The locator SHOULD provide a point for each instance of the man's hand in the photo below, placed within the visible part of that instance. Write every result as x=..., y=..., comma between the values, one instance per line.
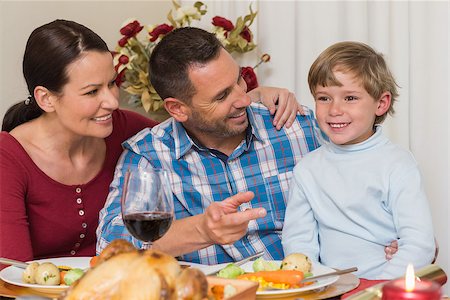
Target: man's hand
x=280, y=102
x=391, y=249
x=222, y=222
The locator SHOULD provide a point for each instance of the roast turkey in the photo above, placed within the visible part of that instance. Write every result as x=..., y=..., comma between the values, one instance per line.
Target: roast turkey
x=122, y=272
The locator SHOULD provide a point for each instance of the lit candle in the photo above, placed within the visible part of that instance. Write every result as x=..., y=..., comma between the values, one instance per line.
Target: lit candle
x=411, y=288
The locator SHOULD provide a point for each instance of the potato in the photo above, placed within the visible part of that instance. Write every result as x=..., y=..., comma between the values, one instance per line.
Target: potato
x=47, y=274
x=296, y=261
x=191, y=284
x=28, y=275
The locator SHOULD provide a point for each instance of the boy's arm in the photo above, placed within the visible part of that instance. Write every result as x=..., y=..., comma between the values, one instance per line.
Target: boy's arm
x=412, y=219
x=300, y=231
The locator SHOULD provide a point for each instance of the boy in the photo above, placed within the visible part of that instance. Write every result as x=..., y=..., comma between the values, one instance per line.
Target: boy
x=358, y=192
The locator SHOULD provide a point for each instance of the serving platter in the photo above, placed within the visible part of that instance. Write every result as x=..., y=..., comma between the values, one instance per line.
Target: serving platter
x=245, y=290
x=11, y=284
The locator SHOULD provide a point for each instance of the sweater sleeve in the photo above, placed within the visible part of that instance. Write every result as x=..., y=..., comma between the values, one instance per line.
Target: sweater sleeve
x=300, y=231
x=15, y=240
x=413, y=221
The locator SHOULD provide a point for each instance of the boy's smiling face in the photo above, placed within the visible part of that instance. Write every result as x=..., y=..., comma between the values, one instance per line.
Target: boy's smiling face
x=347, y=113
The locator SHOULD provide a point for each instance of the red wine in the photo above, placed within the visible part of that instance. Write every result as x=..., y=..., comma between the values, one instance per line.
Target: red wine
x=148, y=226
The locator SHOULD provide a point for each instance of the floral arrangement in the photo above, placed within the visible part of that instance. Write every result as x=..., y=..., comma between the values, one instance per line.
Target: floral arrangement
x=132, y=54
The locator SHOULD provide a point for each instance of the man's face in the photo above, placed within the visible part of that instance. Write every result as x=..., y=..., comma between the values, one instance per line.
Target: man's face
x=218, y=108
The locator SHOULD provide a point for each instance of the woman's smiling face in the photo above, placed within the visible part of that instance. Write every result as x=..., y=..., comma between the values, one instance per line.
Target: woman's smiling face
x=87, y=101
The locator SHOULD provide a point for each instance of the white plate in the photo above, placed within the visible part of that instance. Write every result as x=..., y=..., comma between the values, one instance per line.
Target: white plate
x=248, y=267
x=315, y=270
x=13, y=275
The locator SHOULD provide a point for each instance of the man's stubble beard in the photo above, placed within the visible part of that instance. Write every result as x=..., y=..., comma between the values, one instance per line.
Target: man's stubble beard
x=219, y=128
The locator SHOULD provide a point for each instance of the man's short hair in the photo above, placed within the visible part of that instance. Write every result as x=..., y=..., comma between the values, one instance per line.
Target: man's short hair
x=172, y=57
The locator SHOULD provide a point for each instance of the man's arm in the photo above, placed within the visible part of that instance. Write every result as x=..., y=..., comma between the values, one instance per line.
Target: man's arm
x=110, y=225
x=221, y=223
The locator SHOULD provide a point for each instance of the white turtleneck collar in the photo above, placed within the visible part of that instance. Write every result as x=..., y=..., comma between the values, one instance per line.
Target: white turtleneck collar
x=375, y=140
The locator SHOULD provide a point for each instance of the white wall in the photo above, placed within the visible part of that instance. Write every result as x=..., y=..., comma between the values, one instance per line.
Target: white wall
x=19, y=18
x=414, y=38
x=427, y=137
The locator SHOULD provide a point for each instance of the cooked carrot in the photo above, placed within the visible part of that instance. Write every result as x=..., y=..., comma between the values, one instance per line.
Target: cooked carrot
x=61, y=275
x=291, y=277
x=217, y=291
x=93, y=261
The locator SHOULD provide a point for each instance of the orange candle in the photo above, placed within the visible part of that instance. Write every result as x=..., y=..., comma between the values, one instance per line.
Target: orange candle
x=411, y=288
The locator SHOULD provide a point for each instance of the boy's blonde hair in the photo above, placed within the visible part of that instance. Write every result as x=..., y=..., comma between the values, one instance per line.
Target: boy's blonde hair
x=359, y=59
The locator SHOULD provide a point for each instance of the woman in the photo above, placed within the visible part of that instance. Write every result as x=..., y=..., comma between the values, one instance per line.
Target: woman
x=59, y=148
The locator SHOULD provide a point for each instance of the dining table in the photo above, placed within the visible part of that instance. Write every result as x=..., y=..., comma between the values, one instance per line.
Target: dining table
x=344, y=287
x=344, y=284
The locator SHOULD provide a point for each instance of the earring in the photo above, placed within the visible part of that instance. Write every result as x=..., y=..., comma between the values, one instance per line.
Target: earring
x=28, y=100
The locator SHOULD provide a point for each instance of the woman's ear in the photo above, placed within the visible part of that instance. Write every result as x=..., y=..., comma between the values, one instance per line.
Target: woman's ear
x=384, y=102
x=44, y=98
x=177, y=109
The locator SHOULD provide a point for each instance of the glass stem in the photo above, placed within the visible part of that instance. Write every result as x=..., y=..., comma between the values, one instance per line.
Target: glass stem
x=146, y=245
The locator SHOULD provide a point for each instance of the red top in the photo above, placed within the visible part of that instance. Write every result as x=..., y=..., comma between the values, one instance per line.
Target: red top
x=42, y=218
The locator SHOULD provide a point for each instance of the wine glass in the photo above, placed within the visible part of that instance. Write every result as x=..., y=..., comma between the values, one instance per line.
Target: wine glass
x=147, y=204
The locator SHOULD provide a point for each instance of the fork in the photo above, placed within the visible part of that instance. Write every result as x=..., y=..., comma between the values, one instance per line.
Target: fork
x=238, y=263
x=12, y=262
x=247, y=259
x=314, y=278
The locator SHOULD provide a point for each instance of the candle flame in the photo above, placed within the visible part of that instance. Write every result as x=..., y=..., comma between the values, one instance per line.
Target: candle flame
x=410, y=278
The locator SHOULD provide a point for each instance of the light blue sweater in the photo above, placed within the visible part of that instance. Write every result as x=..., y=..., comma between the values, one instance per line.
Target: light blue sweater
x=347, y=202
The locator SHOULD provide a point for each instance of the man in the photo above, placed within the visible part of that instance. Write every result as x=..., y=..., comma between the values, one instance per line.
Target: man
x=229, y=166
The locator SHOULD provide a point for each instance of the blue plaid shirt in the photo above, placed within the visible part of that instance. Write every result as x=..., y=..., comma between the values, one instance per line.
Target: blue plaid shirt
x=262, y=163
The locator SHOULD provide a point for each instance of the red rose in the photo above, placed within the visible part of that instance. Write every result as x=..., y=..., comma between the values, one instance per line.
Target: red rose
x=222, y=22
x=120, y=78
x=131, y=29
x=123, y=41
x=123, y=59
x=245, y=33
x=249, y=77
x=160, y=30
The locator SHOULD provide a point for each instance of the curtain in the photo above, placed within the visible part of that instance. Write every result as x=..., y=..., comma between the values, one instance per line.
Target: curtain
x=414, y=38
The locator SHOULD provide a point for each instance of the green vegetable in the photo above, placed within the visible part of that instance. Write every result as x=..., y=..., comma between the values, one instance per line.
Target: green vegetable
x=73, y=275
x=231, y=271
x=261, y=264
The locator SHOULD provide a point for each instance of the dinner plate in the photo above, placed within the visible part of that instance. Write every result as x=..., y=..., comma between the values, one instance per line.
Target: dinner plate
x=13, y=275
x=316, y=269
